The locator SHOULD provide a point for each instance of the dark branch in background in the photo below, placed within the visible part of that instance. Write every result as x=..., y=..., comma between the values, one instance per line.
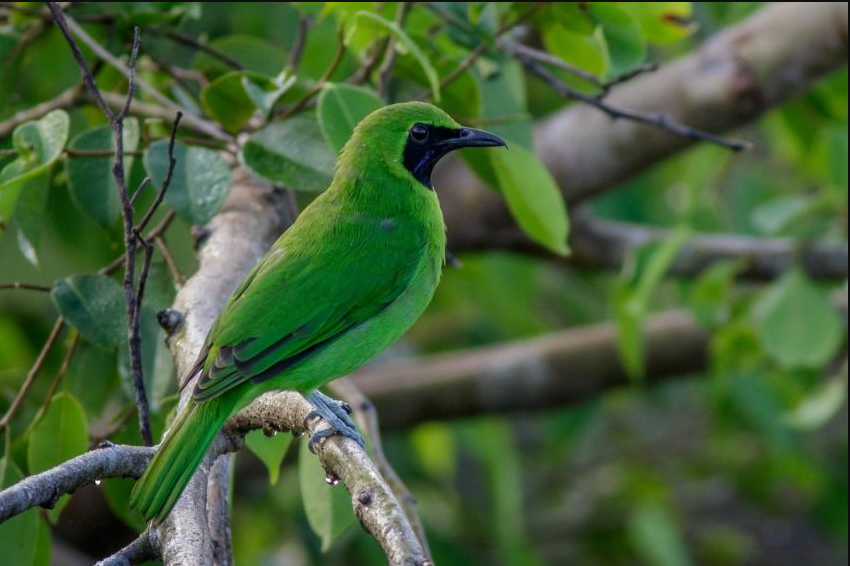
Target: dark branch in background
x=556, y=369
x=133, y=295
x=297, y=49
x=32, y=374
x=190, y=41
x=607, y=244
x=139, y=551
x=604, y=243
x=386, y=69
x=658, y=120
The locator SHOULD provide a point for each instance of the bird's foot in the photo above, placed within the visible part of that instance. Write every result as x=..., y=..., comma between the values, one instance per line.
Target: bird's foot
x=336, y=414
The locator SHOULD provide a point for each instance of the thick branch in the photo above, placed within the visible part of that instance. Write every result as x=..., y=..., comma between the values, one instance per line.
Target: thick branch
x=733, y=79
x=553, y=370
x=44, y=489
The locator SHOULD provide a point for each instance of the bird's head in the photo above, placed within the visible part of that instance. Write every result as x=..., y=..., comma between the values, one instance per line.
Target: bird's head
x=412, y=137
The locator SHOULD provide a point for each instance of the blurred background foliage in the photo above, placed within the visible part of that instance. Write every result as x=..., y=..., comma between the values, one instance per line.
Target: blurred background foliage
x=743, y=464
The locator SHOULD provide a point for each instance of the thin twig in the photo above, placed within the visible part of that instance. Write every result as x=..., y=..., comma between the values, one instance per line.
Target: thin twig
x=385, y=72
x=27, y=286
x=116, y=122
x=165, y=184
x=661, y=121
x=516, y=48
x=299, y=42
x=33, y=373
x=169, y=261
x=63, y=369
x=190, y=41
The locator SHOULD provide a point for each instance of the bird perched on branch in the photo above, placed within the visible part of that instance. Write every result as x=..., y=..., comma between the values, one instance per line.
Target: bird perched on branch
x=350, y=276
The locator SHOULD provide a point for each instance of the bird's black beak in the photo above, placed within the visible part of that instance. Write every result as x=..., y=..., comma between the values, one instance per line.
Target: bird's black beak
x=470, y=137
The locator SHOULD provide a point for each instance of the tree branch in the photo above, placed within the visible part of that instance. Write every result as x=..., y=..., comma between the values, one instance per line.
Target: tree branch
x=561, y=368
x=44, y=489
x=606, y=244
x=734, y=78
x=374, y=502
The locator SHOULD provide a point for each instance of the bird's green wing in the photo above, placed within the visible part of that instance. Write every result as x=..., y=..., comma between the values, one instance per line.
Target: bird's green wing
x=297, y=301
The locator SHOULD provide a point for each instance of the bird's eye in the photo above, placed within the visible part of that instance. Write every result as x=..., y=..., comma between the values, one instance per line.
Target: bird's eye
x=419, y=133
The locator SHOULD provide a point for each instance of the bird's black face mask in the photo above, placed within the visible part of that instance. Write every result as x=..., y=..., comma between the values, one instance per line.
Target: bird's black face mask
x=426, y=145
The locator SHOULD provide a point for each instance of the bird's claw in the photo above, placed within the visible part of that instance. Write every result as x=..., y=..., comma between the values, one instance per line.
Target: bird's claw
x=336, y=416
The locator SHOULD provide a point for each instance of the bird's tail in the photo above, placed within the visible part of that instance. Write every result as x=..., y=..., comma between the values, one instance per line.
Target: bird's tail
x=177, y=458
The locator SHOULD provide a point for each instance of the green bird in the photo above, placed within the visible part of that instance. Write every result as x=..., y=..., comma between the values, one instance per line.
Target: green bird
x=345, y=281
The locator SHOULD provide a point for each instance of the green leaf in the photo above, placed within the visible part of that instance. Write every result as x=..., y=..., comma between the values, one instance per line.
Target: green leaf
x=533, y=197
x=265, y=92
x=663, y=23
x=586, y=51
x=270, y=450
x=61, y=434
x=225, y=100
x=293, y=153
x=798, y=325
x=656, y=537
x=364, y=20
x=91, y=180
x=29, y=215
x=328, y=507
x=623, y=36
x=94, y=305
x=340, y=108
x=711, y=293
x=786, y=213
x=573, y=16
x=18, y=535
x=39, y=144
x=819, y=406
x=233, y=97
x=200, y=182
x=642, y=273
